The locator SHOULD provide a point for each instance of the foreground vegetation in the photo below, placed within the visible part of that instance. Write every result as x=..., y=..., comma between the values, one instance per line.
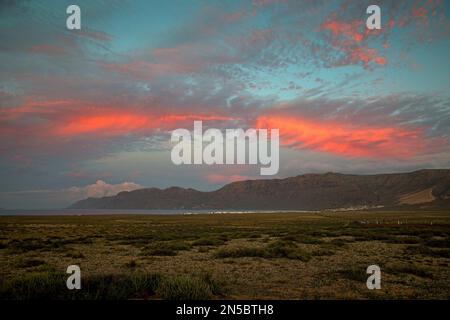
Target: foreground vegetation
x=234, y=256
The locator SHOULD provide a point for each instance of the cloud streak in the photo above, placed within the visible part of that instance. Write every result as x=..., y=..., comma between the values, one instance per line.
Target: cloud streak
x=345, y=139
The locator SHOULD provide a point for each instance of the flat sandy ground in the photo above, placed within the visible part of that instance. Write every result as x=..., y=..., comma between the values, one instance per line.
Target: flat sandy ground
x=242, y=256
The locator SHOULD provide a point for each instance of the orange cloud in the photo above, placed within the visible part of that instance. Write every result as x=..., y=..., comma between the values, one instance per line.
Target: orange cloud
x=348, y=29
x=345, y=139
x=366, y=55
x=109, y=124
x=348, y=38
x=122, y=123
x=31, y=107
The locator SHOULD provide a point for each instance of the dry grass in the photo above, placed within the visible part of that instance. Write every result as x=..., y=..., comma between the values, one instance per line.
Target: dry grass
x=247, y=256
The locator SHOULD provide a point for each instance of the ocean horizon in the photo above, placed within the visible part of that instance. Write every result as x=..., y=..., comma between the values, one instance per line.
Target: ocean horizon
x=92, y=212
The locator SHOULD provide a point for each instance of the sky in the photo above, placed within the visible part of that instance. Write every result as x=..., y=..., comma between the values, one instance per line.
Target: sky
x=89, y=112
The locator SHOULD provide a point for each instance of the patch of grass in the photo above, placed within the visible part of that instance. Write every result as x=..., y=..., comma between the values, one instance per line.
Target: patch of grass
x=184, y=288
x=405, y=240
x=75, y=255
x=203, y=249
x=426, y=235
x=158, y=252
x=45, y=268
x=323, y=252
x=286, y=249
x=239, y=252
x=52, y=286
x=49, y=244
x=166, y=248
x=135, y=240
x=302, y=239
x=356, y=273
x=338, y=243
x=119, y=287
x=208, y=242
x=418, y=250
x=409, y=269
x=426, y=251
x=131, y=264
x=30, y=263
x=276, y=249
x=33, y=286
x=438, y=243
x=216, y=285
x=20, y=246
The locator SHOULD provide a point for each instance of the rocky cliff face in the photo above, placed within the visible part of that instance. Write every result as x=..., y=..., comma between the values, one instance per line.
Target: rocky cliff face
x=304, y=192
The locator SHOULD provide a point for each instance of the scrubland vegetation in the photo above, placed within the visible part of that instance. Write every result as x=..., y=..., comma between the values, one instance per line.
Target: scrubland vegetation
x=228, y=256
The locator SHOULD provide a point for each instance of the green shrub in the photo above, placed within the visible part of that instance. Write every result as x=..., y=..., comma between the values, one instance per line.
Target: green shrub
x=409, y=269
x=438, y=243
x=277, y=249
x=52, y=286
x=131, y=264
x=285, y=249
x=158, y=252
x=30, y=263
x=184, y=288
x=323, y=252
x=216, y=285
x=166, y=248
x=302, y=239
x=239, y=252
x=208, y=242
x=426, y=251
x=75, y=255
x=356, y=273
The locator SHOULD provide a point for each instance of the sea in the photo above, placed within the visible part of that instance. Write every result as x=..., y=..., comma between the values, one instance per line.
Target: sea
x=91, y=212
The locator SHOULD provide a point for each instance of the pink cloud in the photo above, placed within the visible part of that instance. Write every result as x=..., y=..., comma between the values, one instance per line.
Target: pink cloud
x=349, y=38
x=116, y=123
x=366, y=56
x=47, y=126
x=102, y=189
x=351, y=30
x=346, y=139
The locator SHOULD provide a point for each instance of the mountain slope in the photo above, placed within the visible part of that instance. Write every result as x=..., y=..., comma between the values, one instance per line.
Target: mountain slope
x=304, y=192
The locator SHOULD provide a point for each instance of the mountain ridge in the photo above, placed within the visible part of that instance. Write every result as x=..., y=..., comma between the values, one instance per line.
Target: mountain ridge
x=303, y=192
